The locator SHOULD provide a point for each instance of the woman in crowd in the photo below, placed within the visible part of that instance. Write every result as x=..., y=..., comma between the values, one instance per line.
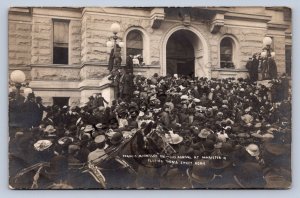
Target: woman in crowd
x=224, y=127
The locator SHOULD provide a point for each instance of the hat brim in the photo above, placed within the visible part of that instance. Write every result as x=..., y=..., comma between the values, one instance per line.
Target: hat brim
x=116, y=142
x=256, y=135
x=224, y=164
x=50, y=131
x=200, y=180
x=254, y=154
x=63, y=140
x=88, y=130
x=201, y=135
x=179, y=140
x=37, y=146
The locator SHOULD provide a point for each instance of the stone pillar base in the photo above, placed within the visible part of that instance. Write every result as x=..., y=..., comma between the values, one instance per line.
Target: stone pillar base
x=90, y=87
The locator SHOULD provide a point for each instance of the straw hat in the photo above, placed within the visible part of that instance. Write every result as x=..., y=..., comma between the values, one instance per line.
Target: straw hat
x=204, y=133
x=99, y=126
x=174, y=138
x=88, y=128
x=65, y=140
x=42, y=145
x=253, y=150
x=49, y=129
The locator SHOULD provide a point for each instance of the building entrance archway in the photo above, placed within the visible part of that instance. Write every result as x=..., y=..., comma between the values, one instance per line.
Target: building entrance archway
x=185, y=51
x=180, y=54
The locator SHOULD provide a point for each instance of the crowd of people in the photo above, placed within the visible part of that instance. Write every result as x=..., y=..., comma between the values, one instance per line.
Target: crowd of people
x=266, y=65
x=203, y=133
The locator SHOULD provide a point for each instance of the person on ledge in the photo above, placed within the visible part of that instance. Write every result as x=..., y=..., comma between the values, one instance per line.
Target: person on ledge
x=99, y=101
x=115, y=58
x=252, y=67
x=129, y=64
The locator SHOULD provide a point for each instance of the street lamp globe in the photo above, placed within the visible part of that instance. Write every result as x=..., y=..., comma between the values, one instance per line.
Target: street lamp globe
x=273, y=54
x=263, y=54
x=109, y=44
x=115, y=28
x=17, y=76
x=27, y=91
x=267, y=41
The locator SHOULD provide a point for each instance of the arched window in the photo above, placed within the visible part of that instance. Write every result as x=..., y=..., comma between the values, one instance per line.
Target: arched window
x=227, y=53
x=134, y=43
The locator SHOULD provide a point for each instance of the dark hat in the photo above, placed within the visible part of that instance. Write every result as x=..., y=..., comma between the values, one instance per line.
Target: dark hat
x=209, y=145
x=58, y=167
x=212, y=137
x=277, y=181
x=277, y=149
x=250, y=175
x=113, y=121
x=201, y=172
x=38, y=98
x=116, y=138
x=30, y=95
x=220, y=163
x=226, y=148
x=72, y=148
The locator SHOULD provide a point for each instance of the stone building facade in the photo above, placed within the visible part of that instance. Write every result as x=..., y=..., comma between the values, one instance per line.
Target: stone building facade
x=198, y=33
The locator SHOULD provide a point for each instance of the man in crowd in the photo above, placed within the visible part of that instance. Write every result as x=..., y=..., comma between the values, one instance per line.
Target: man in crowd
x=98, y=101
x=252, y=66
x=226, y=117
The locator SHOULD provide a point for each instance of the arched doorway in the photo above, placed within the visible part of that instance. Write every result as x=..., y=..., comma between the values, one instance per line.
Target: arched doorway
x=195, y=57
x=180, y=54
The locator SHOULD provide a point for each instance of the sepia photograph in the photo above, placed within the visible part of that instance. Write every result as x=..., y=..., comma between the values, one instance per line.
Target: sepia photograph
x=149, y=97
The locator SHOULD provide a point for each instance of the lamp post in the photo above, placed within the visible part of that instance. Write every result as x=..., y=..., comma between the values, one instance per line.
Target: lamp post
x=18, y=79
x=269, y=68
x=115, y=54
x=267, y=41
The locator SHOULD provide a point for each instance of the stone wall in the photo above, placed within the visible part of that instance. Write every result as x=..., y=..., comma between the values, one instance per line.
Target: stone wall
x=57, y=73
x=95, y=33
x=19, y=41
x=30, y=40
x=41, y=52
x=75, y=42
x=279, y=49
x=42, y=38
x=249, y=41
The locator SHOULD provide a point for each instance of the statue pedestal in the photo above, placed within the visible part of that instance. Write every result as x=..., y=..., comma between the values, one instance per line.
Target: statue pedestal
x=90, y=87
x=107, y=90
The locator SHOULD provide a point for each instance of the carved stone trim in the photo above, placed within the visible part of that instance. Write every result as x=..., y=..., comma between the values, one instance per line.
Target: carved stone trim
x=157, y=16
x=186, y=20
x=277, y=26
x=228, y=70
x=216, y=23
x=248, y=17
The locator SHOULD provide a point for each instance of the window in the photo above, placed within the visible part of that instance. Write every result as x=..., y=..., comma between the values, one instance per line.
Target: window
x=288, y=59
x=60, y=42
x=226, y=53
x=61, y=101
x=134, y=43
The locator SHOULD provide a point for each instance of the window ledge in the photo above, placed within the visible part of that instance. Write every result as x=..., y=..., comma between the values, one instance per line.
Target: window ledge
x=55, y=66
x=229, y=69
x=146, y=66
